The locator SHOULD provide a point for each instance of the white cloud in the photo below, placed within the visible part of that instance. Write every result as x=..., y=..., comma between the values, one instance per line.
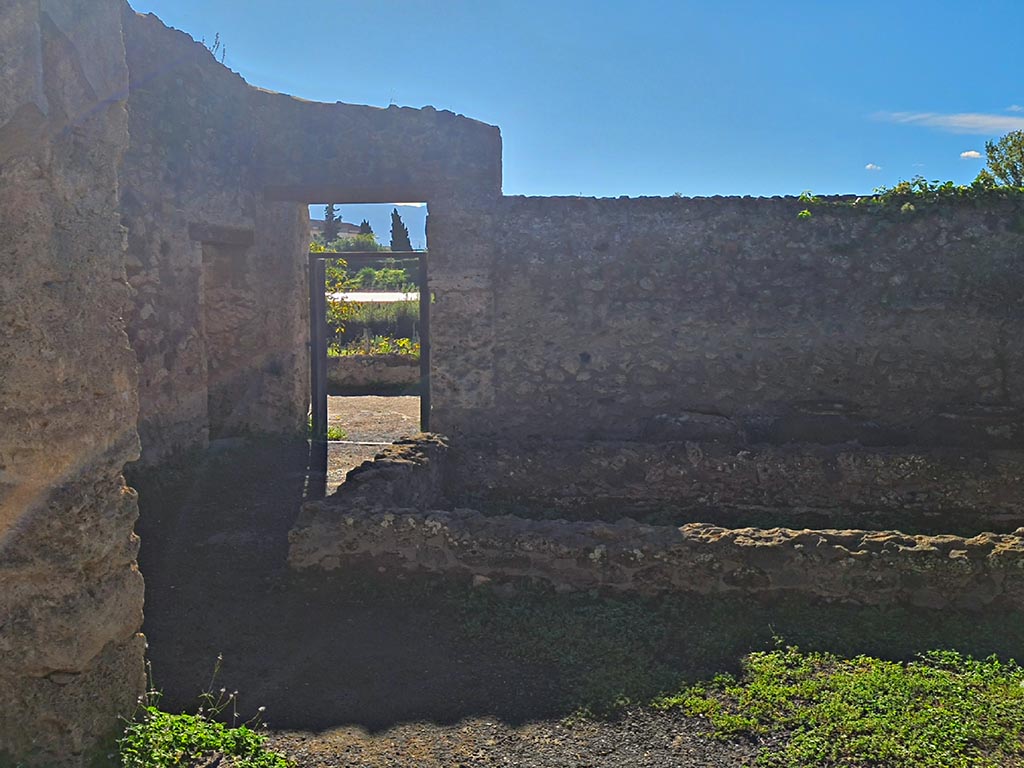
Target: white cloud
x=1015, y=108
x=410, y=205
x=975, y=123
x=872, y=167
x=970, y=154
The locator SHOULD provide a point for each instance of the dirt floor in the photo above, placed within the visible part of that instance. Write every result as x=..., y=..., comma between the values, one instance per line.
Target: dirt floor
x=640, y=738
x=366, y=419
x=377, y=667
x=352, y=674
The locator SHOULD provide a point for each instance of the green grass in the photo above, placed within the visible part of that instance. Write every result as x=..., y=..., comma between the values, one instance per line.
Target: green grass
x=606, y=651
x=942, y=709
x=870, y=693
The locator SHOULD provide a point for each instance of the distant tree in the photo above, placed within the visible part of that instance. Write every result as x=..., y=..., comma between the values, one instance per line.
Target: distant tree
x=357, y=243
x=1005, y=161
x=399, y=233
x=331, y=220
x=365, y=228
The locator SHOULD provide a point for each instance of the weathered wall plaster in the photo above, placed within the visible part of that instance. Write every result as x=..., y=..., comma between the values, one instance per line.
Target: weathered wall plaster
x=70, y=592
x=218, y=172
x=219, y=318
x=616, y=319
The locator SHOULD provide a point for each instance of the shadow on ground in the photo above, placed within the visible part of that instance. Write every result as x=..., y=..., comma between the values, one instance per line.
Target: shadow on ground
x=379, y=649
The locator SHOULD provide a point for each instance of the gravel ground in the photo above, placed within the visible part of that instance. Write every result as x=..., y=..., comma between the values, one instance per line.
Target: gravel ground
x=375, y=419
x=640, y=738
x=369, y=419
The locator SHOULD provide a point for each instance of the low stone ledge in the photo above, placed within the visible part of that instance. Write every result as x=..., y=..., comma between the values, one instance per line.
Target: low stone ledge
x=407, y=473
x=361, y=373
x=798, y=485
x=866, y=567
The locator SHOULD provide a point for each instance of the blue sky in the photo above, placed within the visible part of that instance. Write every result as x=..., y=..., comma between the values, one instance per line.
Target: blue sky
x=650, y=98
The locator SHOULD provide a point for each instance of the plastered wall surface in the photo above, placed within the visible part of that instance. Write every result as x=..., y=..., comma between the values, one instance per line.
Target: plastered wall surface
x=632, y=318
x=70, y=591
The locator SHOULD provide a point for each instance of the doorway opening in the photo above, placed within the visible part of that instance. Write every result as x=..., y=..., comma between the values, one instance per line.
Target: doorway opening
x=369, y=332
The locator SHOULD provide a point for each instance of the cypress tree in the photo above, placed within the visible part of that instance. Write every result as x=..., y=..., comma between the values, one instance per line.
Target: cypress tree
x=399, y=233
x=365, y=228
x=330, y=223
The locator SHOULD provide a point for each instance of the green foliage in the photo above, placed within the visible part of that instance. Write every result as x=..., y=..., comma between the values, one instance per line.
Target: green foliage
x=377, y=345
x=339, y=314
x=1005, y=161
x=383, y=279
x=943, y=709
x=333, y=432
x=361, y=242
x=1003, y=178
x=336, y=279
x=365, y=228
x=348, y=318
x=921, y=191
x=158, y=739
x=399, y=233
x=908, y=196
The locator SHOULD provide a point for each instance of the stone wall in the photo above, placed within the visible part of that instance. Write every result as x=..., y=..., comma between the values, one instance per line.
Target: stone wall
x=71, y=658
x=219, y=319
x=370, y=374
x=872, y=568
x=214, y=187
x=915, y=490
x=581, y=529
x=621, y=319
x=408, y=473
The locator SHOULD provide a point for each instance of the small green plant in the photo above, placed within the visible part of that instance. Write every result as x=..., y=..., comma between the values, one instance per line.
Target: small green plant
x=383, y=279
x=158, y=739
x=375, y=346
x=333, y=432
x=921, y=191
x=943, y=709
x=804, y=214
